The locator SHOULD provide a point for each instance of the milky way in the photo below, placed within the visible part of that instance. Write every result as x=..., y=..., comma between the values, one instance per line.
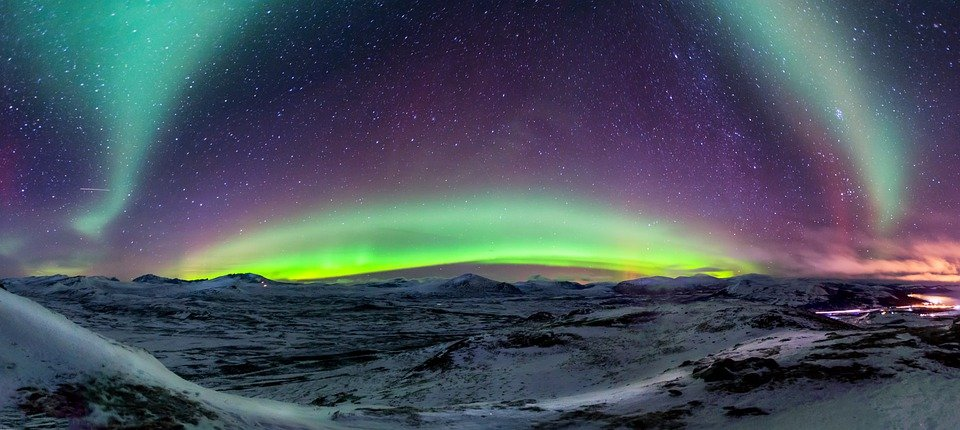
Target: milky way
x=589, y=140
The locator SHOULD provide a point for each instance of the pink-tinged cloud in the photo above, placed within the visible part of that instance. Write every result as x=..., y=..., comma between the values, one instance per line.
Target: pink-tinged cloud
x=920, y=260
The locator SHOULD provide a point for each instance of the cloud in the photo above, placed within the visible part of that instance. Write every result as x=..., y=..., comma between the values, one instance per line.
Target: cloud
x=914, y=260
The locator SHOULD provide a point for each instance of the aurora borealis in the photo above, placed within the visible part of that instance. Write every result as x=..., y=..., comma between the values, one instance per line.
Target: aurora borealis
x=818, y=67
x=305, y=140
x=127, y=63
x=527, y=230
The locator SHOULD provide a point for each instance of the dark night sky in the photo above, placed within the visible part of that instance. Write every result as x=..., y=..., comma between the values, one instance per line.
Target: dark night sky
x=585, y=140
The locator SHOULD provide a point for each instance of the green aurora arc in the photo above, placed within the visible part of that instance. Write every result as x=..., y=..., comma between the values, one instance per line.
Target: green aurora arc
x=478, y=230
x=814, y=63
x=130, y=60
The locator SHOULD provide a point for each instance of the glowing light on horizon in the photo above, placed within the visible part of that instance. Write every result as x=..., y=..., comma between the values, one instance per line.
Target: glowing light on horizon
x=935, y=300
x=930, y=303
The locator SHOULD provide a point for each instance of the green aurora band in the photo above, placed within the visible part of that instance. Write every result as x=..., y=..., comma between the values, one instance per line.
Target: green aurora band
x=129, y=61
x=479, y=230
x=813, y=62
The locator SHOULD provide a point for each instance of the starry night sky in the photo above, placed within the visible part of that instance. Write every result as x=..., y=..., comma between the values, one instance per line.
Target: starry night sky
x=578, y=139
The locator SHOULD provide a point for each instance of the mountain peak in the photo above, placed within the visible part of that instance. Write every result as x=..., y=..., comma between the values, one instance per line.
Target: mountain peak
x=154, y=279
x=246, y=277
x=476, y=284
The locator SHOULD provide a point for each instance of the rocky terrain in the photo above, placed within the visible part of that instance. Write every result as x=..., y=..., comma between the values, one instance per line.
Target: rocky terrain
x=242, y=351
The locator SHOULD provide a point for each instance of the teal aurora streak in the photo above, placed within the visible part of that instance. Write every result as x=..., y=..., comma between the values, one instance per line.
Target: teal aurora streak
x=799, y=48
x=127, y=62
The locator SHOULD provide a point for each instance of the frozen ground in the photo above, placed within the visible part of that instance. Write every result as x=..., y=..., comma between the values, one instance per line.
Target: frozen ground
x=698, y=352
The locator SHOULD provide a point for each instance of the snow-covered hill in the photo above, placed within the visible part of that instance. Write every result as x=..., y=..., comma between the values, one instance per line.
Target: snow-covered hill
x=56, y=369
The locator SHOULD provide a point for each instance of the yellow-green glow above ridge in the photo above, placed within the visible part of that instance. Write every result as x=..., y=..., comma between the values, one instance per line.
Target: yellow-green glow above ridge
x=481, y=230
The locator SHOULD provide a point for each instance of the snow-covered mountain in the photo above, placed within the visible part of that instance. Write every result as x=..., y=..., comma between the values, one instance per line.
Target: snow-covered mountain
x=154, y=279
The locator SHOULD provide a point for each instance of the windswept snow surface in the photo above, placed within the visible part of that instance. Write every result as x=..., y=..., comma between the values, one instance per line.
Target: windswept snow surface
x=241, y=351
